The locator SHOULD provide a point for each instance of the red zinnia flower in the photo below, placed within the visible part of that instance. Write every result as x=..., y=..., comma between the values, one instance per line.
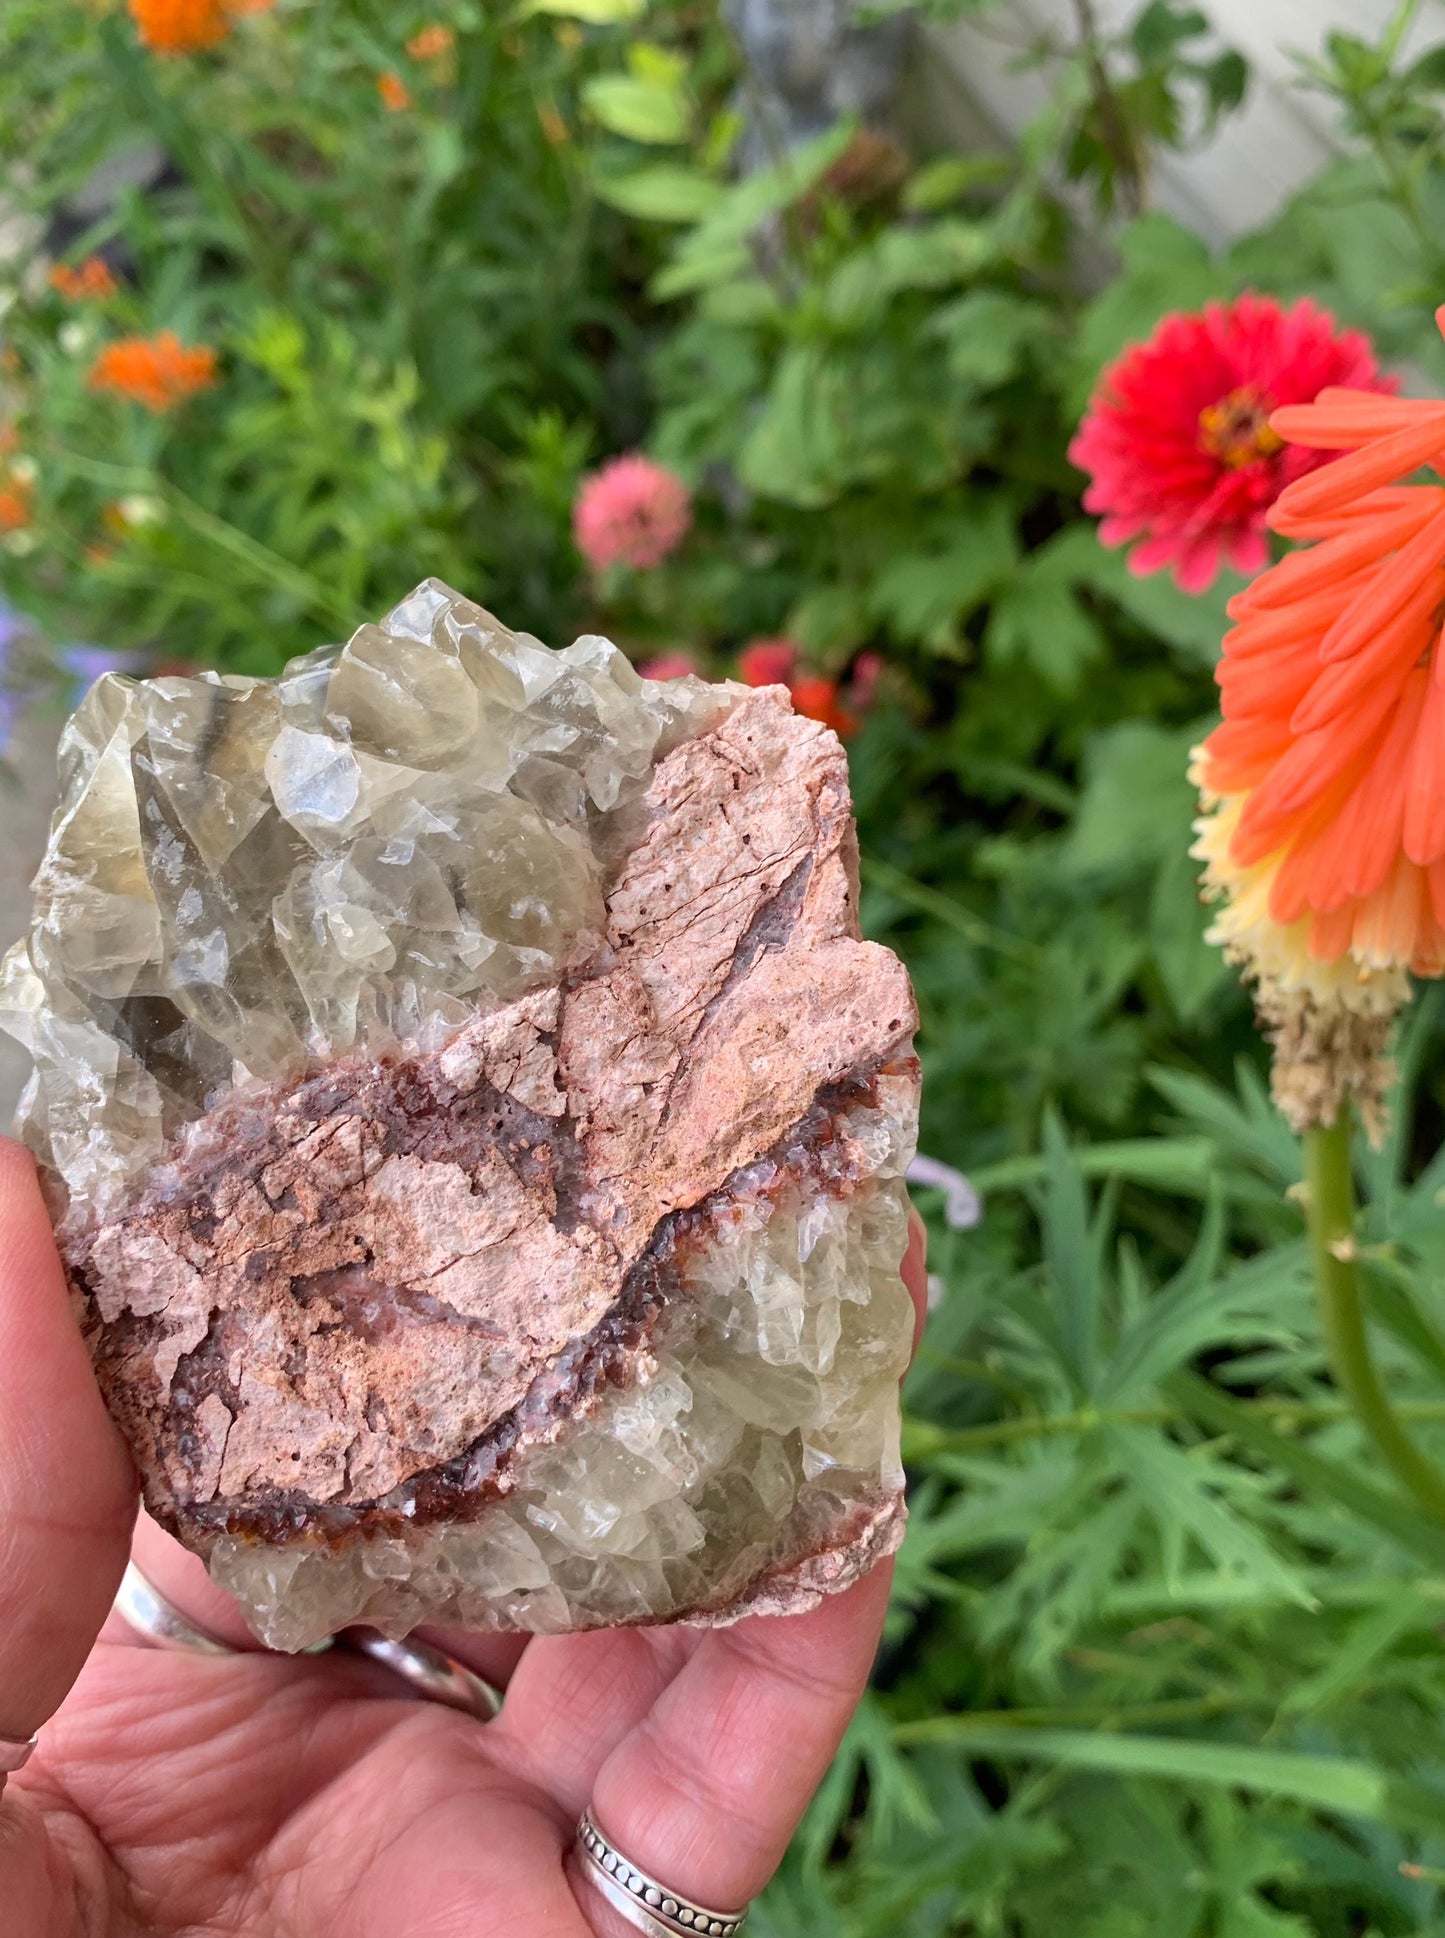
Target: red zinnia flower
x=1178, y=439
x=774, y=662
x=767, y=662
x=631, y=512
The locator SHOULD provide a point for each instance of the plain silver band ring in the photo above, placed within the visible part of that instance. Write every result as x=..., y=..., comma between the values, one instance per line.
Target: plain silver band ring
x=440, y=1678
x=648, y=1905
x=430, y=1672
x=143, y=1608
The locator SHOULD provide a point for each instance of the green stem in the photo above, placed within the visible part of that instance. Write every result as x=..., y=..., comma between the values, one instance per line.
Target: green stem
x=1337, y=1280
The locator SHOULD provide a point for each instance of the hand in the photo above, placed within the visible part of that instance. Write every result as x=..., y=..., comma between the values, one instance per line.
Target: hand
x=265, y=1796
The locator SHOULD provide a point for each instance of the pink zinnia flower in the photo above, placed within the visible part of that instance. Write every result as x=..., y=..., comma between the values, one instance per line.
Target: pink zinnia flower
x=631, y=512
x=1178, y=442
x=669, y=666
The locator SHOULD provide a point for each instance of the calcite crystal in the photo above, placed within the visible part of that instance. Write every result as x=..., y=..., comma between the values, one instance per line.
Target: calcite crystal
x=477, y=1131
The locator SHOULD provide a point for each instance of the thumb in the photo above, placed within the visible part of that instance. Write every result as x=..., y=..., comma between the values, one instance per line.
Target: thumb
x=67, y=1488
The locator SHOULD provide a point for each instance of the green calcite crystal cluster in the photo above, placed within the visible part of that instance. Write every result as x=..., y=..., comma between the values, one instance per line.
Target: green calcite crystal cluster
x=476, y=1131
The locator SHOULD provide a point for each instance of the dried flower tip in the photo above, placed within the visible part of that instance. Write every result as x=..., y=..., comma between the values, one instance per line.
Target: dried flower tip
x=1324, y=1056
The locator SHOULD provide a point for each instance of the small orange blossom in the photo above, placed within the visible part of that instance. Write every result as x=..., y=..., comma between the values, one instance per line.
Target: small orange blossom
x=172, y=27
x=91, y=282
x=432, y=43
x=158, y=372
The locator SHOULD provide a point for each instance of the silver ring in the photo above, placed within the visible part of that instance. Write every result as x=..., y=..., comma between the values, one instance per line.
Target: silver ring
x=439, y=1677
x=15, y=1753
x=142, y=1606
x=648, y=1905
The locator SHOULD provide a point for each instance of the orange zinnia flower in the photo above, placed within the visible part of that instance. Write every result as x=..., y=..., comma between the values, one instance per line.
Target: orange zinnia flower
x=1326, y=779
x=395, y=95
x=431, y=44
x=92, y=282
x=173, y=27
x=159, y=372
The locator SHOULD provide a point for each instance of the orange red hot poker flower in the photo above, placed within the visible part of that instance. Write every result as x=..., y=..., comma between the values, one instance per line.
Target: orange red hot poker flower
x=1325, y=780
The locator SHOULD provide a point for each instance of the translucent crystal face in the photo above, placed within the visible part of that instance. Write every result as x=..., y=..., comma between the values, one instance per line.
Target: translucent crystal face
x=248, y=876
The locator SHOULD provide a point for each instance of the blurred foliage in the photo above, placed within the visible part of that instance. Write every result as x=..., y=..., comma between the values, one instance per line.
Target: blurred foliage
x=1163, y=1660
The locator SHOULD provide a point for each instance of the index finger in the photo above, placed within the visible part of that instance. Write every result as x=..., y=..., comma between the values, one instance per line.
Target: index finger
x=67, y=1488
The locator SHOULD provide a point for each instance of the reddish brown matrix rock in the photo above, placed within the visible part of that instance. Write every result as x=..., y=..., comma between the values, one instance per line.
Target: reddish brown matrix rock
x=478, y=1131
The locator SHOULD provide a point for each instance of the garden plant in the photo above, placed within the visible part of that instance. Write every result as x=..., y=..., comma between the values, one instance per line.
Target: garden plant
x=1017, y=483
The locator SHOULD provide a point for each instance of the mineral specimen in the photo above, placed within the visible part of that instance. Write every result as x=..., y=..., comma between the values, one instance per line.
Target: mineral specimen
x=476, y=1131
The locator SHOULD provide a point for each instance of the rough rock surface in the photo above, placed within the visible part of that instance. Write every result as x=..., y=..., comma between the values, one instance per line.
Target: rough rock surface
x=531, y=1258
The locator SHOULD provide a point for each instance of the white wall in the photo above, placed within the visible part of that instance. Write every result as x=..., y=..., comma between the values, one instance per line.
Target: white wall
x=1261, y=155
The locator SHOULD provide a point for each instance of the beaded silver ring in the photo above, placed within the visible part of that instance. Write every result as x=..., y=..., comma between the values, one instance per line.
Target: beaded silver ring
x=648, y=1904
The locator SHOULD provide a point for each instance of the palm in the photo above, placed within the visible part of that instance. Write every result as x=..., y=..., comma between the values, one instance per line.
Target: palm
x=306, y=1796
x=259, y=1796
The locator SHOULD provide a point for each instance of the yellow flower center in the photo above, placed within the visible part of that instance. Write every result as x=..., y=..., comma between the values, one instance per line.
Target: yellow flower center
x=1236, y=429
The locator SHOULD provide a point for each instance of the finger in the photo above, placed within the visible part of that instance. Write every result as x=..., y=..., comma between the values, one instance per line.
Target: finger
x=707, y=1790
x=67, y=1488
x=574, y=1698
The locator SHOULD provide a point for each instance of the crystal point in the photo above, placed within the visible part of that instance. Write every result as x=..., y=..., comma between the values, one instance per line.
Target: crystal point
x=477, y=1131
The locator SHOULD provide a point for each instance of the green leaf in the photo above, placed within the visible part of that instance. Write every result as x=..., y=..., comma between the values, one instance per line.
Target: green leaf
x=597, y=13
x=1184, y=1165
x=1073, y=1252
x=927, y=596
x=717, y=248
x=1136, y=803
x=1185, y=1501
x=661, y=193
x=1162, y=28
x=1194, y=623
x=989, y=334
x=651, y=111
x=935, y=256
x=940, y=182
x=1322, y=1477
x=1038, y=621
x=1348, y=1785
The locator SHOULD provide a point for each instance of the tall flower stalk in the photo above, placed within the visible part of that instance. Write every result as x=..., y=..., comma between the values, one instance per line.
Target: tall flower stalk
x=1329, y=1185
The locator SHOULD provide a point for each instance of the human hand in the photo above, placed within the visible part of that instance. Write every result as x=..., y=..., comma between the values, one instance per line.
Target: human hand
x=254, y=1795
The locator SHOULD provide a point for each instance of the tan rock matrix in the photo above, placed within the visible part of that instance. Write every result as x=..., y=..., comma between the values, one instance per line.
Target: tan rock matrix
x=476, y=1131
